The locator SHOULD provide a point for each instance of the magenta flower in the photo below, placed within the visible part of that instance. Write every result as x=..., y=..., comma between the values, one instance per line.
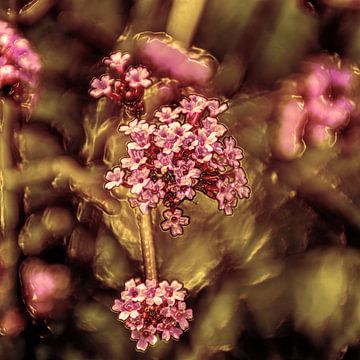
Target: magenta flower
x=159, y=311
x=115, y=178
x=164, y=162
x=138, y=77
x=167, y=114
x=174, y=221
x=182, y=315
x=145, y=337
x=211, y=125
x=138, y=179
x=167, y=140
x=171, y=292
x=169, y=330
x=226, y=196
x=215, y=108
x=232, y=153
x=195, y=104
x=134, y=126
x=133, y=291
x=135, y=160
x=185, y=172
x=117, y=61
x=126, y=309
x=101, y=87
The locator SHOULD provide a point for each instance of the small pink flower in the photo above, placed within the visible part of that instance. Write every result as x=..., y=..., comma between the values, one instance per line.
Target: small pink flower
x=151, y=293
x=171, y=292
x=179, y=130
x=202, y=154
x=174, y=221
x=133, y=291
x=138, y=77
x=164, y=162
x=168, y=330
x=216, y=108
x=226, y=196
x=185, y=172
x=167, y=140
x=211, y=125
x=127, y=309
x=135, y=160
x=101, y=86
x=145, y=337
x=167, y=114
x=232, y=153
x=135, y=125
x=117, y=61
x=138, y=179
x=115, y=178
x=182, y=192
x=190, y=141
x=195, y=104
x=182, y=315
x=206, y=139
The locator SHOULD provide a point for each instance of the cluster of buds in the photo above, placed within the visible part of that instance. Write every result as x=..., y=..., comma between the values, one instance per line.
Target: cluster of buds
x=181, y=151
x=19, y=67
x=124, y=85
x=322, y=105
x=153, y=309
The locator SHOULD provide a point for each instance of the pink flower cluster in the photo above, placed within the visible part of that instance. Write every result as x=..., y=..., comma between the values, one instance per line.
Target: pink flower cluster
x=19, y=66
x=182, y=151
x=126, y=87
x=153, y=309
x=322, y=106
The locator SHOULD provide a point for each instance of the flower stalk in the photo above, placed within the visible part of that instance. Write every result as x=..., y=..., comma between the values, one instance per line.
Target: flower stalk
x=147, y=245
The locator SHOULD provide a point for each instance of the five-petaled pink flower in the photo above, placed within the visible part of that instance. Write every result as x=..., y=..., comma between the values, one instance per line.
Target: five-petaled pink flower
x=115, y=178
x=117, y=61
x=174, y=221
x=167, y=114
x=102, y=86
x=138, y=77
x=194, y=104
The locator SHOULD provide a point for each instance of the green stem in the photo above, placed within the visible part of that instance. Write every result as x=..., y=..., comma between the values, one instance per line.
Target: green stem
x=147, y=244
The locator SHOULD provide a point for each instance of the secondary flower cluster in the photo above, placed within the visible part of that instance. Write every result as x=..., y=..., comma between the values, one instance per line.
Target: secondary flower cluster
x=19, y=67
x=182, y=151
x=126, y=87
x=322, y=105
x=153, y=309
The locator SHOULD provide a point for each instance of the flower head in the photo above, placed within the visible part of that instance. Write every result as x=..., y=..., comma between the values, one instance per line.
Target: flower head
x=159, y=311
x=138, y=77
x=117, y=61
x=179, y=153
x=101, y=87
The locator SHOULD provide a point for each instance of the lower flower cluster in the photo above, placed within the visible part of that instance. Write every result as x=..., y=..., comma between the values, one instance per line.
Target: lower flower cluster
x=152, y=310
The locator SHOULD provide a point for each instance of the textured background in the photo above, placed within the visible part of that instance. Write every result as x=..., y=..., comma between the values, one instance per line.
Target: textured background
x=278, y=280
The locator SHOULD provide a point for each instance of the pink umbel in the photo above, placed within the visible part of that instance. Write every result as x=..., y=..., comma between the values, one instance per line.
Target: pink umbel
x=19, y=67
x=153, y=310
x=180, y=152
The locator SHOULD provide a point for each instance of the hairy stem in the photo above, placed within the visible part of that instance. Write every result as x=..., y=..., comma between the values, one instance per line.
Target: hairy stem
x=147, y=244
